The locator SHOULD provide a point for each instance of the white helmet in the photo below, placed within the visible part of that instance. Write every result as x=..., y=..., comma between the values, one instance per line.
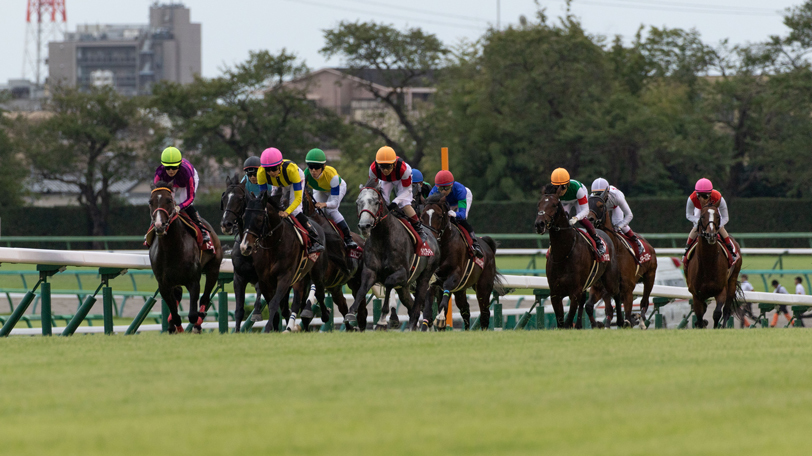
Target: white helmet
x=600, y=184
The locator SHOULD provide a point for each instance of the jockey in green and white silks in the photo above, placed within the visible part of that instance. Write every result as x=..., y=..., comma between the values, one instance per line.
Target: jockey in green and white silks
x=328, y=191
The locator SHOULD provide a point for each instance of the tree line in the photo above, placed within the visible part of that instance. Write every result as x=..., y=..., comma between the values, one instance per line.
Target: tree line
x=652, y=115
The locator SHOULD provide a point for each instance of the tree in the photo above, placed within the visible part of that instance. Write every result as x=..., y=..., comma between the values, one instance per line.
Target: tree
x=90, y=140
x=248, y=109
x=12, y=171
x=402, y=59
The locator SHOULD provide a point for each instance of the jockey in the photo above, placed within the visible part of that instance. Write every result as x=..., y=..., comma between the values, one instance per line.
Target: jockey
x=418, y=185
x=285, y=177
x=703, y=195
x=459, y=198
x=177, y=171
x=252, y=167
x=620, y=211
x=328, y=190
x=395, y=174
x=573, y=194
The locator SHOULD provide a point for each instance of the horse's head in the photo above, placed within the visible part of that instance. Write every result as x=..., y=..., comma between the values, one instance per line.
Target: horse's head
x=371, y=208
x=435, y=213
x=597, y=207
x=161, y=207
x=261, y=219
x=708, y=224
x=232, y=203
x=549, y=208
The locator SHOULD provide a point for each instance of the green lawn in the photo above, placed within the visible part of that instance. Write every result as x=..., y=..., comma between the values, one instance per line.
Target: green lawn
x=552, y=392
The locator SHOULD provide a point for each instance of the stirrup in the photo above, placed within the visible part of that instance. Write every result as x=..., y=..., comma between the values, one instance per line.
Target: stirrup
x=350, y=244
x=478, y=250
x=315, y=247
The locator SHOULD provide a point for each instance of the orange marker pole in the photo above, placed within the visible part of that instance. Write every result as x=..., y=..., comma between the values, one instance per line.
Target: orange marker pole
x=449, y=318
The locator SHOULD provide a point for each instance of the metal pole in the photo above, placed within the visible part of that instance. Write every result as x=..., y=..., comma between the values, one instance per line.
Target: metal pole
x=164, y=316
x=222, y=307
x=142, y=315
x=376, y=310
x=107, y=306
x=497, y=315
x=45, y=311
x=328, y=322
x=77, y=319
x=17, y=314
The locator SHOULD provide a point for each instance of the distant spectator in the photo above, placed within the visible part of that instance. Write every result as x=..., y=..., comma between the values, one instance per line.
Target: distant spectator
x=748, y=311
x=781, y=308
x=799, y=286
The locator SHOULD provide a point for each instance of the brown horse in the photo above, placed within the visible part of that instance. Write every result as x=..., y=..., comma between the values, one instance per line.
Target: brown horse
x=342, y=268
x=630, y=273
x=458, y=271
x=571, y=269
x=177, y=260
x=707, y=273
x=277, y=256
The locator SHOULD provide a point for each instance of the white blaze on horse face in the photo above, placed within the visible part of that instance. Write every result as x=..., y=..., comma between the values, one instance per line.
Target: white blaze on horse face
x=244, y=243
x=711, y=212
x=430, y=213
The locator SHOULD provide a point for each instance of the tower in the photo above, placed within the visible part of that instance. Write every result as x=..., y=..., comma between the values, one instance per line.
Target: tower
x=46, y=20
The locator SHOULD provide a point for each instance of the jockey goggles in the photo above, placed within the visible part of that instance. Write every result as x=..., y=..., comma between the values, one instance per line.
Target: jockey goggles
x=273, y=169
x=251, y=171
x=171, y=168
x=703, y=195
x=386, y=165
x=315, y=165
x=445, y=187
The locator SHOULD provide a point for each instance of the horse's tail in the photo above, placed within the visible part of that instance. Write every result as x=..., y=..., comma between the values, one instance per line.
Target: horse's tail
x=738, y=301
x=498, y=279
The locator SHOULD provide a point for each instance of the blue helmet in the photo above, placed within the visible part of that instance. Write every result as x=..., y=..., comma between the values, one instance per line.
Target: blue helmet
x=417, y=176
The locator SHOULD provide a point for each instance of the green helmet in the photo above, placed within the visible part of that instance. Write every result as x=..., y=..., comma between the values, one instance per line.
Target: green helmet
x=316, y=156
x=171, y=157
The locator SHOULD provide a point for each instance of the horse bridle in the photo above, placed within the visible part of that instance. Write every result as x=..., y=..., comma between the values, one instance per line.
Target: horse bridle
x=169, y=217
x=599, y=221
x=376, y=217
x=701, y=228
x=236, y=215
x=443, y=221
x=548, y=225
x=258, y=238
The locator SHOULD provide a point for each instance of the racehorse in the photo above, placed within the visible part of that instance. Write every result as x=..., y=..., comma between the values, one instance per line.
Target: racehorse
x=571, y=269
x=389, y=259
x=628, y=269
x=707, y=273
x=232, y=203
x=342, y=267
x=178, y=262
x=280, y=260
x=458, y=270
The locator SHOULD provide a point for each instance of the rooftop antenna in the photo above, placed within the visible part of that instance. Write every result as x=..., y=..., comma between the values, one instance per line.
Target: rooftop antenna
x=46, y=20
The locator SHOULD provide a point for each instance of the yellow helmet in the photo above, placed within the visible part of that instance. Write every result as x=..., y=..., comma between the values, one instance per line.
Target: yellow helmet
x=386, y=155
x=560, y=177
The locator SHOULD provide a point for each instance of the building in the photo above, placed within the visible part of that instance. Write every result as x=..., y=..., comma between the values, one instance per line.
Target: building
x=131, y=58
x=23, y=95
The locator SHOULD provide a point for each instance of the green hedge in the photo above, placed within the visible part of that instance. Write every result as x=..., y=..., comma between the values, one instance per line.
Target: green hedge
x=652, y=215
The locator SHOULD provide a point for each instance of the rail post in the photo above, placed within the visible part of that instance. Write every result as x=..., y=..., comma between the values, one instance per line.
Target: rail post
x=107, y=295
x=18, y=312
x=797, y=311
x=142, y=315
x=376, y=310
x=164, y=316
x=81, y=313
x=497, y=313
x=45, y=271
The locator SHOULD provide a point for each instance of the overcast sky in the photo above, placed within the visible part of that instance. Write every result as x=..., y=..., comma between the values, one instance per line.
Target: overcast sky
x=233, y=27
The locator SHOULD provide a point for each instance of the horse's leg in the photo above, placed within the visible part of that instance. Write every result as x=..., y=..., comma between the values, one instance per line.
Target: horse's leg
x=648, y=283
x=212, y=272
x=722, y=310
x=558, y=308
x=394, y=320
x=239, y=296
x=594, y=296
x=339, y=300
x=442, y=309
x=281, y=293
x=194, y=297
x=699, y=311
x=169, y=296
x=299, y=297
x=483, y=297
x=406, y=299
x=381, y=324
x=423, y=295
x=399, y=278
x=465, y=309
x=574, y=301
x=351, y=317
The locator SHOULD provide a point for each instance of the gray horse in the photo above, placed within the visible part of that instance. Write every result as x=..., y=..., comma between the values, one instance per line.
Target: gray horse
x=388, y=256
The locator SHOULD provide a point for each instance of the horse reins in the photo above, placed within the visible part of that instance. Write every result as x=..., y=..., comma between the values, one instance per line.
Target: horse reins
x=169, y=217
x=375, y=219
x=548, y=227
x=259, y=238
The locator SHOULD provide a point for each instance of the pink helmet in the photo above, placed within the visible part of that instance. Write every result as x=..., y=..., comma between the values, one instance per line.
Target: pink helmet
x=443, y=178
x=271, y=157
x=704, y=186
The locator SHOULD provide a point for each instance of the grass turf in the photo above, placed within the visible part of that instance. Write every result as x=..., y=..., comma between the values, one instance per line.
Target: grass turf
x=553, y=392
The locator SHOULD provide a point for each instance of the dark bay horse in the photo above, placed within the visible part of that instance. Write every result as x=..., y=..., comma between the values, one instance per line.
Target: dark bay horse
x=570, y=261
x=388, y=255
x=707, y=272
x=457, y=270
x=177, y=260
x=630, y=273
x=233, y=204
x=277, y=255
x=342, y=268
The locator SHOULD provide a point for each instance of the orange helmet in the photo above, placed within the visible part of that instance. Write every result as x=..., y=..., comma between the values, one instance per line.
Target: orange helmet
x=386, y=155
x=560, y=177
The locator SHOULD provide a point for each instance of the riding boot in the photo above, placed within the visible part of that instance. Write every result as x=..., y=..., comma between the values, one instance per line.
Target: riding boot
x=688, y=246
x=731, y=247
x=601, y=247
x=348, y=242
x=415, y=221
x=637, y=240
x=474, y=243
x=315, y=245
x=199, y=222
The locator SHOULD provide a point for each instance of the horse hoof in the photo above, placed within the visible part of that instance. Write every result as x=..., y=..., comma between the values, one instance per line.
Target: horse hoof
x=627, y=324
x=196, y=330
x=306, y=314
x=424, y=326
x=286, y=331
x=600, y=325
x=179, y=329
x=256, y=317
x=380, y=327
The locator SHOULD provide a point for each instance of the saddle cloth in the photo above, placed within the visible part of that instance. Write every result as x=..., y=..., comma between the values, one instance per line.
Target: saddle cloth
x=591, y=242
x=190, y=226
x=631, y=246
x=420, y=247
x=355, y=253
x=730, y=258
x=469, y=243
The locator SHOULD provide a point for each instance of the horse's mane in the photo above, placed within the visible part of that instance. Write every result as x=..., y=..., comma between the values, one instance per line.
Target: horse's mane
x=372, y=183
x=549, y=189
x=436, y=199
x=162, y=184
